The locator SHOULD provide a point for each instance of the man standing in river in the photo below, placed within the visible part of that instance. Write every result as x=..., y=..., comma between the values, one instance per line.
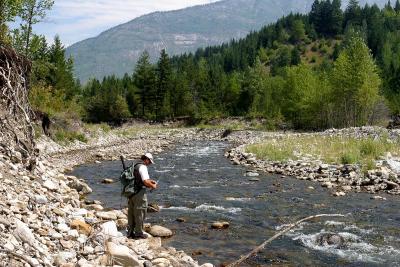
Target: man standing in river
x=137, y=202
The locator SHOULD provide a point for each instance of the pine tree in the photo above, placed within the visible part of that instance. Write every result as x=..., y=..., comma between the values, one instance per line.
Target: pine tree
x=145, y=80
x=336, y=18
x=298, y=31
x=163, y=92
x=352, y=15
x=315, y=14
x=388, y=6
x=61, y=72
x=397, y=6
x=296, y=59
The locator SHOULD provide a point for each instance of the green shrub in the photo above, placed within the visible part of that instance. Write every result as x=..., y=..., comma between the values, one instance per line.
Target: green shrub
x=314, y=48
x=349, y=157
x=64, y=136
x=371, y=148
x=324, y=49
x=369, y=164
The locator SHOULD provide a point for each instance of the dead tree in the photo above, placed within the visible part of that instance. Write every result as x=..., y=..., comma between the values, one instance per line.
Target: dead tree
x=278, y=234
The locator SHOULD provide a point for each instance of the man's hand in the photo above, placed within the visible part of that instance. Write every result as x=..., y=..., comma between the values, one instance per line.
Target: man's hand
x=150, y=184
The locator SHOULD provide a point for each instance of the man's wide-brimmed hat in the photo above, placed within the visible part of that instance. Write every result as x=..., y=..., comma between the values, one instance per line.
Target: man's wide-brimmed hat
x=150, y=157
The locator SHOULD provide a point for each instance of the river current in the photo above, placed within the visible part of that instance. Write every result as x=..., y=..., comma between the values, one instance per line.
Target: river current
x=197, y=183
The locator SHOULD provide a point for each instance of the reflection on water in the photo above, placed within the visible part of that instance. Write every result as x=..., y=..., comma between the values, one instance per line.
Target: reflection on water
x=198, y=184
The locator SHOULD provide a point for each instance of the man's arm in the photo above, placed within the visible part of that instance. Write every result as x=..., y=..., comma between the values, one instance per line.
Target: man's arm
x=150, y=183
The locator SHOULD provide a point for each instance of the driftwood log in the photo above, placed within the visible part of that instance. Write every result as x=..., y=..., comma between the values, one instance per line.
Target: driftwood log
x=280, y=233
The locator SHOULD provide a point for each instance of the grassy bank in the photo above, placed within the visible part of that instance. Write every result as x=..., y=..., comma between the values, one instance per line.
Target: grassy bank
x=333, y=150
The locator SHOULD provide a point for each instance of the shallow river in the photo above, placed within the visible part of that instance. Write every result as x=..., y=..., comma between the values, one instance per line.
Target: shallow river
x=198, y=183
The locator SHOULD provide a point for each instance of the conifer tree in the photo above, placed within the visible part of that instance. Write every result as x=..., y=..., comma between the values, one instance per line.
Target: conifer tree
x=298, y=31
x=397, y=6
x=352, y=15
x=388, y=6
x=336, y=18
x=145, y=80
x=315, y=14
x=163, y=92
x=61, y=72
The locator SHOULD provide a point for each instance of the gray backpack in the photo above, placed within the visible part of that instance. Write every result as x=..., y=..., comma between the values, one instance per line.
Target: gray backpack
x=131, y=180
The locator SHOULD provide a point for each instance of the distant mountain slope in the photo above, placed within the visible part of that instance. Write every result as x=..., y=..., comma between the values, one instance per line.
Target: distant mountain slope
x=116, y=50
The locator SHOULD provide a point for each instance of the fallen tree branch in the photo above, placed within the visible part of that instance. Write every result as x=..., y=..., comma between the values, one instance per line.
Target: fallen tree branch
x=19, y=256
x=287, y=229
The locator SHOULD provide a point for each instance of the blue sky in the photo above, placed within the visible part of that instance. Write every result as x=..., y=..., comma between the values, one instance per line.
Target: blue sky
x=76, y=20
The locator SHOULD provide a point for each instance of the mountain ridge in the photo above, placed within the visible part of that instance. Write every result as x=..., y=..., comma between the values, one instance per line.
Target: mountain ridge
x=177, y=31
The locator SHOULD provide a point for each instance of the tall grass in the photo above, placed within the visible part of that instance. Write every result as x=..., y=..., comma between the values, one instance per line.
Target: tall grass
x=334, y=150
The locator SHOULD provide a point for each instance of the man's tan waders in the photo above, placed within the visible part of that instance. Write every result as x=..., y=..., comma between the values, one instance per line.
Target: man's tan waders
x=137, y=210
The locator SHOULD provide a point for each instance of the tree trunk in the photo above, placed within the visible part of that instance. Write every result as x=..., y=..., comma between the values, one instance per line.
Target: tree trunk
x=29, y=28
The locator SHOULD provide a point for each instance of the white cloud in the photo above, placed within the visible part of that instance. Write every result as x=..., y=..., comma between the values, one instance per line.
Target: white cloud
x=75, y=20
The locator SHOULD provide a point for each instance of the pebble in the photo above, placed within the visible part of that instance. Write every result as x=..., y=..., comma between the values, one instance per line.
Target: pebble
x=106, y=215
x=50, y=185
x=39, y=199
x=62, y=227
x=339, y=194
x=252, y=174
x=220, y=225
x=182, y=220
x=378, y=198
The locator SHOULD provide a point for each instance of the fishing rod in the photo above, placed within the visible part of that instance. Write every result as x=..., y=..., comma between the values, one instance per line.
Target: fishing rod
x=123, y=162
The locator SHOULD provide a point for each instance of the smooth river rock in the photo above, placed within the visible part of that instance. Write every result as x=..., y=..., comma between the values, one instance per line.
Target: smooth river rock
x=122, y=255
x=107, y=181
x=220, y=225
x=160, y=231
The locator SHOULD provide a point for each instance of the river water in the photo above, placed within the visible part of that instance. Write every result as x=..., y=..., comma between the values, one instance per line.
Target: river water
x=197, y=183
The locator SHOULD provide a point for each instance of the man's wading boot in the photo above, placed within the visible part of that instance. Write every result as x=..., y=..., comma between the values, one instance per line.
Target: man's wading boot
x=140, y=236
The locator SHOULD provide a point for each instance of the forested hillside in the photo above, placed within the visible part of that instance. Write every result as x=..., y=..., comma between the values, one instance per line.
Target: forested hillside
x=326, y=69
x=117, y=50
x=176, y=31
x=329, y=68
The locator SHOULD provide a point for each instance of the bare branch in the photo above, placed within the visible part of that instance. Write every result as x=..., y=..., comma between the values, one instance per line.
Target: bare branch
x=287, y=229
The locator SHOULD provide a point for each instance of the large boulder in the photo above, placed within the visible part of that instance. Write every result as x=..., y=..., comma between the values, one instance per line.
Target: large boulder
x=160, y=231
x=330, y=239
x=109, y=230
x=122, y=255
x=24, y=233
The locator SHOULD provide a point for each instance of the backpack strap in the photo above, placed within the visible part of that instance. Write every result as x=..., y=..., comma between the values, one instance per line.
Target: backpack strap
x=138, y=178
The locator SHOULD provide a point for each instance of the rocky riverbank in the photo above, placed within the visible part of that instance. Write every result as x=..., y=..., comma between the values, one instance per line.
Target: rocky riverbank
x=45, y=220
x=339, y=178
